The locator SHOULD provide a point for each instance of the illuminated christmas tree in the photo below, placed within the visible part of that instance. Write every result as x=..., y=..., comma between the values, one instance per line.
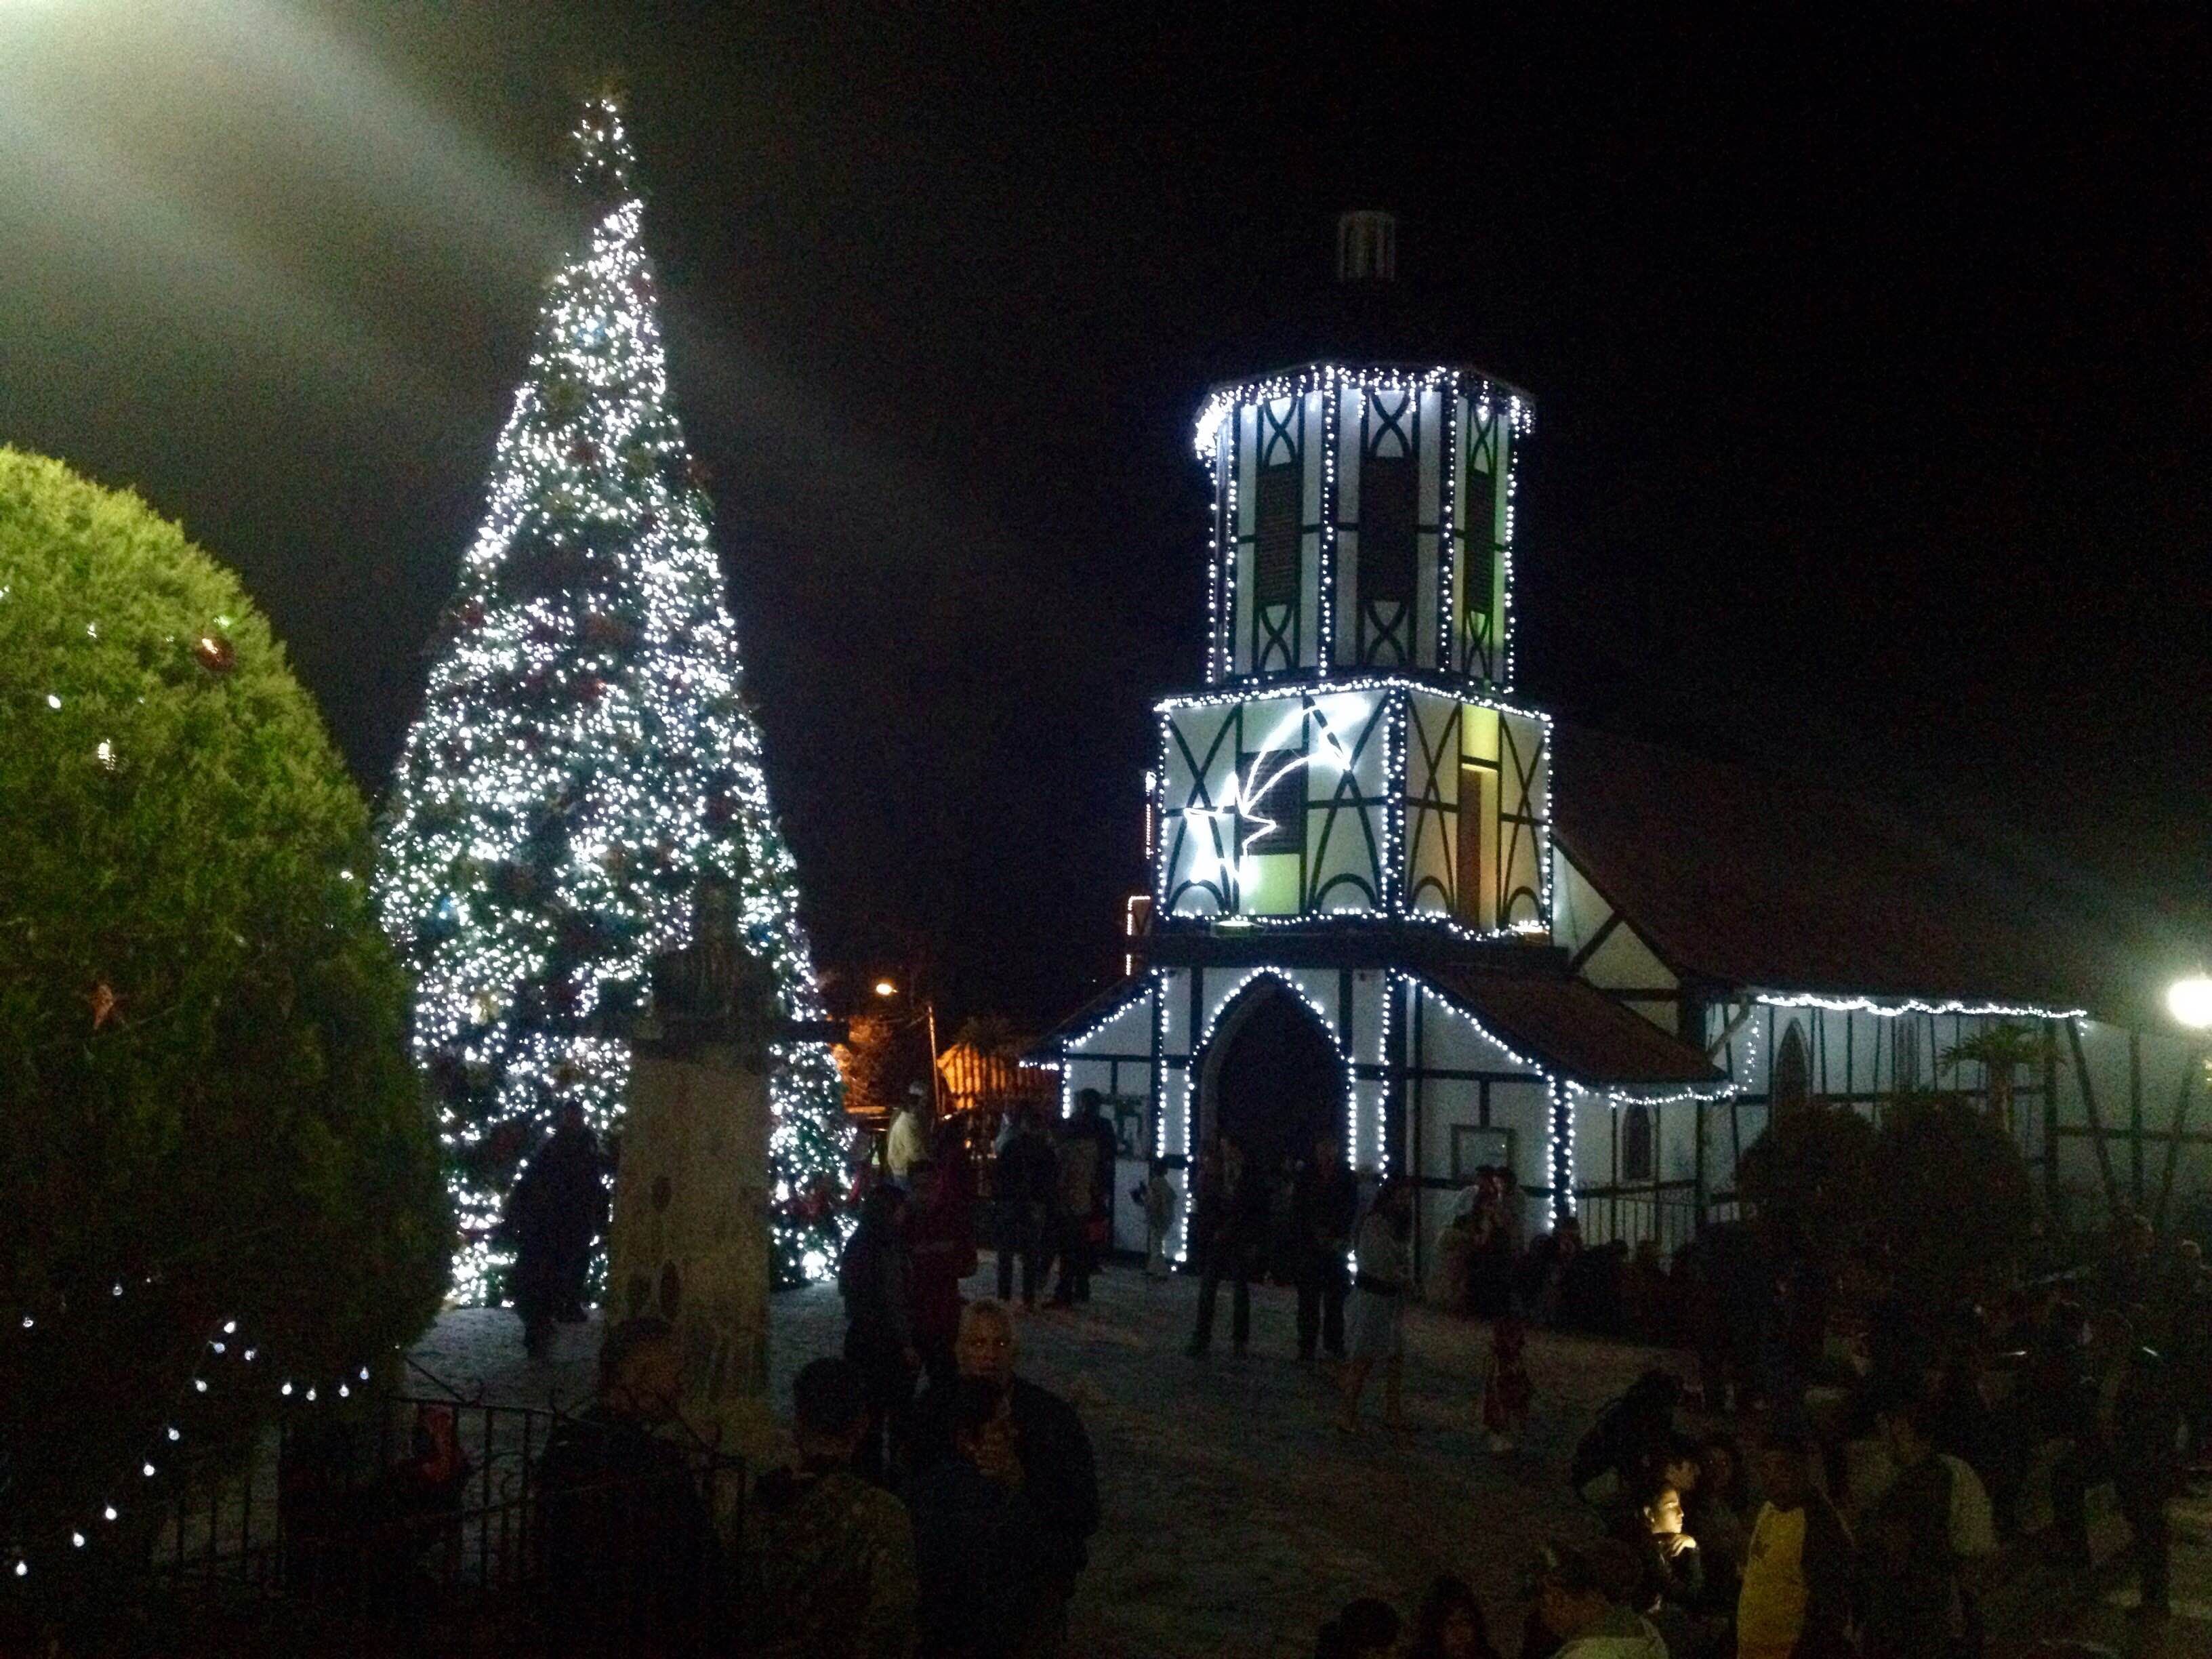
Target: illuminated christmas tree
x=585, y=758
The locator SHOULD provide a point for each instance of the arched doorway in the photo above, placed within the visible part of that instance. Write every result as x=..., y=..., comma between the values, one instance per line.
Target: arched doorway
x=1272, y=1081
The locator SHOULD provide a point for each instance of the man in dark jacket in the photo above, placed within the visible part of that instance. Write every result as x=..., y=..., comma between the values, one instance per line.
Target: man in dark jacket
x=1036, y=1445
x=1227, y=1229
x=876, y=1277
x=1024, y=1182
x=2126, y=1424
x=1324, y=1205
x=558, y=1207
x=987, y=1586
x=626, y=1540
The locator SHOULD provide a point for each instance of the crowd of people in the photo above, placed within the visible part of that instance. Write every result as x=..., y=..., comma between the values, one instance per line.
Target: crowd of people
x=941, y=1503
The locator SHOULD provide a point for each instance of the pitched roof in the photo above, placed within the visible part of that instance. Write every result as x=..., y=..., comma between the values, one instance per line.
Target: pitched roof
x=1751, y=880
x=1575, y=1031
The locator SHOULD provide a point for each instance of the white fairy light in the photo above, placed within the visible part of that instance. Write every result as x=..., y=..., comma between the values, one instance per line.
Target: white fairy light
x=585, y=757
x=1891, y=1008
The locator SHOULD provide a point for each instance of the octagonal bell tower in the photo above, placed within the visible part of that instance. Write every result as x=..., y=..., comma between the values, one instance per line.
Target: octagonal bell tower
x=1362, y=521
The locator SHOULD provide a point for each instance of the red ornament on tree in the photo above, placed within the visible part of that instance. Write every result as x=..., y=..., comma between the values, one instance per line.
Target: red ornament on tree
x=216, y=654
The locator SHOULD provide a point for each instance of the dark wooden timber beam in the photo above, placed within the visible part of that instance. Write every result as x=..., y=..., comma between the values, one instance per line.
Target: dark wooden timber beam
x=2096, y=1122
x=2173, y=1144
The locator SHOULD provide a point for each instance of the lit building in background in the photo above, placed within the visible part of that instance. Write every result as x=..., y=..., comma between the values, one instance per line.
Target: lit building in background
x=1375, y=914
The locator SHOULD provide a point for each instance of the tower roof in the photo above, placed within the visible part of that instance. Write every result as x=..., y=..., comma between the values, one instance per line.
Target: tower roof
x=1353, y=302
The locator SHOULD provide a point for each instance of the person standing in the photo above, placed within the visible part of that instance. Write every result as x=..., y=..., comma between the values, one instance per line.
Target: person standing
x=829, y=1556
x=1323, y=1205
x=1159, y=1197
x=2126, y=1428
x=1796, y=1603
x=1025, y=1181
x=1087, y=1153
x=1036, y=1442
x=1378, y=1309
x=875, y=1278
x=1916, y=1603
x=940, y=1252
x=907, y=1142
x=985, y=1590
x=1228, y=1224
x=557, y=1208
x=1507, y=1390
x=624, y=1538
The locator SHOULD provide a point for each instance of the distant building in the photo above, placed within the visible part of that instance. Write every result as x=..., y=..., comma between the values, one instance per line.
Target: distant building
x=1374, y=915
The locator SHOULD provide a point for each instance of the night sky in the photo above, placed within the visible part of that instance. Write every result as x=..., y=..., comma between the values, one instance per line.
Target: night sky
x=1871, y=371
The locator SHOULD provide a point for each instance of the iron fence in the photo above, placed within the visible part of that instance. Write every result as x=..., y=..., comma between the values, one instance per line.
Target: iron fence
x=417, y=1514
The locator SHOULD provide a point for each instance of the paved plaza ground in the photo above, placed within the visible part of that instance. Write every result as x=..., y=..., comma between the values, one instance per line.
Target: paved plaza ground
x=1236, y=1517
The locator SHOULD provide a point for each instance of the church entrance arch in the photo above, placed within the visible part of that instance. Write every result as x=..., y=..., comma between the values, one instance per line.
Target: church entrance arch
x=1271, y=1079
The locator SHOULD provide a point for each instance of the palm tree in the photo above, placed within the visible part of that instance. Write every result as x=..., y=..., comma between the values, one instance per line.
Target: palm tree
x=1999, y=1049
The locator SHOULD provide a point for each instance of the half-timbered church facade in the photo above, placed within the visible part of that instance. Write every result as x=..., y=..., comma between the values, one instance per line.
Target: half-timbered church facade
x=1393, y=903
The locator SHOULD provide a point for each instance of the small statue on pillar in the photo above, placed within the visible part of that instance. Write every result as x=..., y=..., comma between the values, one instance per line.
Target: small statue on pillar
x=689, y=1242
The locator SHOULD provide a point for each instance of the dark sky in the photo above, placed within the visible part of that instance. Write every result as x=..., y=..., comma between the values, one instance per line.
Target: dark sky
x=1869, y=364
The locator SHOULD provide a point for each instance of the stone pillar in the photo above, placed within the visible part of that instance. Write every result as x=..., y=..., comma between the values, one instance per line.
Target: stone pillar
x=689, y=1239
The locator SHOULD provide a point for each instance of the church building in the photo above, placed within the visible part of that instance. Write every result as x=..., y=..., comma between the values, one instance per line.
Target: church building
x=1393, y=903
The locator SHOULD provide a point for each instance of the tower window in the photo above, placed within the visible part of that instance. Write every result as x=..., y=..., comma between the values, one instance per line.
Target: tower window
x=1478, y=519
x=1387, y=507
x=1276, y=555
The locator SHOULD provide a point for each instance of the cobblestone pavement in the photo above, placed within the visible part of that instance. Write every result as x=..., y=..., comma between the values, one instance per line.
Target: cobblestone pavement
x=1236, y=1519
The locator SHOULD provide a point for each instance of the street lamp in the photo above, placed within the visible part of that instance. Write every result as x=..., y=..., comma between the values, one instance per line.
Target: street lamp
x=2190, y=1001
x=889, y=988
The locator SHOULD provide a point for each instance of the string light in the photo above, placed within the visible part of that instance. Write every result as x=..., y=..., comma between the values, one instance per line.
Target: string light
x=1397, y=692
x=172, y=1434
x=1219, y=431
x=586, y=758
x=1889, y=1008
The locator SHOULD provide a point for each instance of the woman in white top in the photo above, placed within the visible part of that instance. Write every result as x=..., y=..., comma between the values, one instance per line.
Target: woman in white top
x=1378, y=1315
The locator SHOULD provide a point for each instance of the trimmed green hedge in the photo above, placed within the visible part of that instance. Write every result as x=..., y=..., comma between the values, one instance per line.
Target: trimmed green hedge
x=240, y=1124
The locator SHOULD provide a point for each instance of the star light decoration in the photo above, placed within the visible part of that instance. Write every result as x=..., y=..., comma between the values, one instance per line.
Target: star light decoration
x=585, y=757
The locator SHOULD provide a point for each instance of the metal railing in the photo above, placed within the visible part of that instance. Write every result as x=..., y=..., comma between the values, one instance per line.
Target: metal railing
x=430, y=1512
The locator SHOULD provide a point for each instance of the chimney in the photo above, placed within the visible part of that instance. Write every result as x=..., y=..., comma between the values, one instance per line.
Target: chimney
x=1366, y=246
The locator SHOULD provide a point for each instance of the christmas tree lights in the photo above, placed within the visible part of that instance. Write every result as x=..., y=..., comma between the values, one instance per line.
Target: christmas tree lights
x=585, y=758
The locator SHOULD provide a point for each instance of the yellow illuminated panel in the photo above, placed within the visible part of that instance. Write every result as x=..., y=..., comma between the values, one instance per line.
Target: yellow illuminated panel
x=1271, y=883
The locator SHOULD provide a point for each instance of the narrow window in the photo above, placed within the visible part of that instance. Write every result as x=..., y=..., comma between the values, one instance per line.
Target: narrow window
x=1276, y=558
x=1636, y=1144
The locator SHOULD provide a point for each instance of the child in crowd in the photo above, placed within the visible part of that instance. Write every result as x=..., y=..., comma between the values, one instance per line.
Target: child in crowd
x=1507, y=1390
x=1158, y=1196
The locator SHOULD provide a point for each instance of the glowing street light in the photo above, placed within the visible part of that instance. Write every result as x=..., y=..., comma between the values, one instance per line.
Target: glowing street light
x=2190, y=1001
x=886, y=988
